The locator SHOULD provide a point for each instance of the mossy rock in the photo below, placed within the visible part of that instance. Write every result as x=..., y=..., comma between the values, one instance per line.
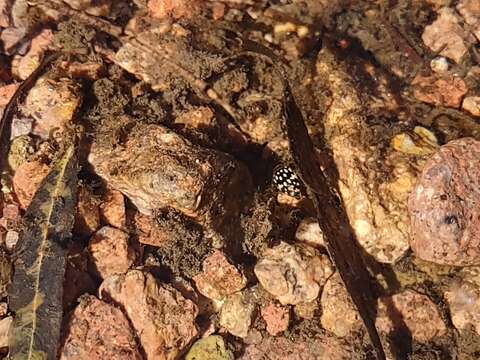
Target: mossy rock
x=209, y=348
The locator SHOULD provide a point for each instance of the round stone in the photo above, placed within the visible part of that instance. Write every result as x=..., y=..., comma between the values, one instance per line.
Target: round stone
x=444, y=206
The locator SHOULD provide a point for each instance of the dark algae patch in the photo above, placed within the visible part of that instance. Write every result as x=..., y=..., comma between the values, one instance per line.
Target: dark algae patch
x=186, y=248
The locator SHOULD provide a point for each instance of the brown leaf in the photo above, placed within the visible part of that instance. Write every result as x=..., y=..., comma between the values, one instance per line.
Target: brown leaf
x=37, y=288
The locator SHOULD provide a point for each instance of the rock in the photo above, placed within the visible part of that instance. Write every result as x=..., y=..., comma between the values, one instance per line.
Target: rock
x=110, y=252
x=439, y=3
x=52, y=104
x=199, y=118
x=112, y=209
x=23, y=66
x=85, y=70
x=11, y=217
x=163, y=319
x=87, y=216
x=97, y=330
x=156, y=168
x=276, y=317
x=307, y=310
x=421, y=142
x=3, y=309
x=210, y=348
x=21, y=149
x=445, y=206
x=463, y=299
x=77, y=280
x=472, y=105
x=148, y=230
x=219, y=277
x=10, y=37
x=447, y=90
x=6, y=93
x=282, y=348
x=309, y=232
x=293, y=274
x=27, y=179
x=5, y=324
x=416, y=311
x=11, y=240
x=174, y=8
x=439, y=65
x=375, y=204
x=5, y=6
x=21, y=126
x=236, y=314
x=470, y=11
x=446, y=36
x=285, y=199
x=339, y=314
x=470, y=274
x=92, y=7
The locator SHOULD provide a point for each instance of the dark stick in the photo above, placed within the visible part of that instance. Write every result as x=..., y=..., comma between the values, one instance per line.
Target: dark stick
x=341, y=244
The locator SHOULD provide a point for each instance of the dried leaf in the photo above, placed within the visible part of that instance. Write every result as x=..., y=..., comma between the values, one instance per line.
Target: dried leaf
x=37, y=288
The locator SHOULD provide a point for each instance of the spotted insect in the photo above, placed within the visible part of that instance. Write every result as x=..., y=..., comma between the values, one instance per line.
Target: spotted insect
x=287, y=181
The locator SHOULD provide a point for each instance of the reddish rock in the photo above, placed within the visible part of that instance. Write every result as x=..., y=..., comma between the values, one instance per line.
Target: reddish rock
x=77, y=279
x=445, y=206
x=87, y=217
x=52, y=104
x=97, y=330
x=6, y=93
x=148, y=231
x=199, y=118
x=446, y=35
x=282, y=348
x=88, y=70
x=470, y=10
x=173, y=8
x=444, y=91
x=276, y=317
x=112, y=209
x=23, y=66
x=10, y=37
x=219, y=277
x=162, y=318
x=413, y=310
x=293, y=274
x=5, y=6
x=110, y=252
x=92, y=7
x=27, y=179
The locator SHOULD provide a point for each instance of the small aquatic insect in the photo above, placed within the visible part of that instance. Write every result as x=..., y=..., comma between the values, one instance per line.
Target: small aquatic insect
x=287, y=181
